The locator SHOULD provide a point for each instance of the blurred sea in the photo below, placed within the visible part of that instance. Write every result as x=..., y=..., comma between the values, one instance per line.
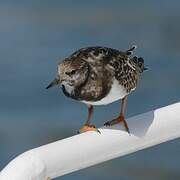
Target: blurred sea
x=36, y=35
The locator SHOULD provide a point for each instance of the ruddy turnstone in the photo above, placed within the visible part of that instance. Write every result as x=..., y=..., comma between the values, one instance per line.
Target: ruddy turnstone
x=99, y=76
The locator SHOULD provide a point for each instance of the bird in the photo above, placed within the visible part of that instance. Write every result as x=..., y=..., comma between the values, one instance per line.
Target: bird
x=99, y=76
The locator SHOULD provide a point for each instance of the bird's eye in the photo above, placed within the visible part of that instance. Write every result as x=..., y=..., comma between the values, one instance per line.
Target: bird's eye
x=71, y=72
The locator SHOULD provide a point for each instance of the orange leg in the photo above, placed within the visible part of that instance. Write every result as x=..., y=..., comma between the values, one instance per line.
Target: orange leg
x=87, y=126
x=120, y=118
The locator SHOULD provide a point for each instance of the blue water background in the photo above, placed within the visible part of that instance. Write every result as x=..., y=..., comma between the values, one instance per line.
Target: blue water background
x=36, y=35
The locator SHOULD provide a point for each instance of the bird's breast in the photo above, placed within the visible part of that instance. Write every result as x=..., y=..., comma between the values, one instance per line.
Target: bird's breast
x=116, y=92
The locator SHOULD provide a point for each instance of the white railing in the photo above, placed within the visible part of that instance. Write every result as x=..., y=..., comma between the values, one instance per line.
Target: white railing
x=87, y=149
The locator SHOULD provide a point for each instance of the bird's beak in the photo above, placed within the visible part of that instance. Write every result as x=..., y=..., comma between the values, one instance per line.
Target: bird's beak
x=55, y=82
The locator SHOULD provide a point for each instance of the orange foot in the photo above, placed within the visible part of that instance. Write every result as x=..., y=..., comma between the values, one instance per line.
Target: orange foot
x=87, y=128
x=116, y=121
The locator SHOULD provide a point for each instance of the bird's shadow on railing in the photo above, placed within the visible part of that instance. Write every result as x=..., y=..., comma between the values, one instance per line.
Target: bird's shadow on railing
x=138, y=125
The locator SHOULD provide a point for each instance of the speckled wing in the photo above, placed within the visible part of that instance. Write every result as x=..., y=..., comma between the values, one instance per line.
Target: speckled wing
x=106, y=64
x=123, y=68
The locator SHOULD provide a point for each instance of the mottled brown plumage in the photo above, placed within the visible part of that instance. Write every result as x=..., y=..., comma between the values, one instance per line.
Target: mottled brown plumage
x=99, y=75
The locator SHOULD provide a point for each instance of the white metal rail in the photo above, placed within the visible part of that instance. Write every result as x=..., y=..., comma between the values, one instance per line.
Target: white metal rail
x=87, y=149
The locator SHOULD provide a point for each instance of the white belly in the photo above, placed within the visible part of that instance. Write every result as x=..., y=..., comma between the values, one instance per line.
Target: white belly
x=117, y=92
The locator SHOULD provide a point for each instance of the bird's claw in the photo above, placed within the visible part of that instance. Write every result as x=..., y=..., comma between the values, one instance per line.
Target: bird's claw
x=87, y=128
x=116, y=121
x=108, y=123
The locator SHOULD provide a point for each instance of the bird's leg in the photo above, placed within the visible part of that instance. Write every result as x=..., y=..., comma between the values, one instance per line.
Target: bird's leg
x=87, y=126
x=120, y=118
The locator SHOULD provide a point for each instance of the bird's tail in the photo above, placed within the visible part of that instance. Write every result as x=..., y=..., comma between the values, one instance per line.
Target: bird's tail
x=139, y=63
x=130, y=51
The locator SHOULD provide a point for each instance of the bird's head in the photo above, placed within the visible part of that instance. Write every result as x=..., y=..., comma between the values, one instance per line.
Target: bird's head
x=72, y=73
